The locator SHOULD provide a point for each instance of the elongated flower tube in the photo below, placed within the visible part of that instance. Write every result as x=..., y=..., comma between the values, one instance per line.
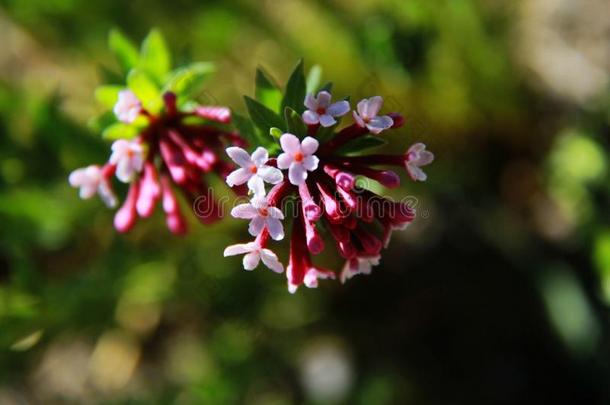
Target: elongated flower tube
x=165, y=144
x=319, y=193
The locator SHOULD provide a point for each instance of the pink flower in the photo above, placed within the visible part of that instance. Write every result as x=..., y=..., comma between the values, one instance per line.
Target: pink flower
x=367, y=115
x=298, y=157
x=252, y=169
x=359, y=265
x=321, y=111
x=254, y=253
x=128, y=156
x=127, y=107
x=418, y=156
x=261, y=216
x=91, y=181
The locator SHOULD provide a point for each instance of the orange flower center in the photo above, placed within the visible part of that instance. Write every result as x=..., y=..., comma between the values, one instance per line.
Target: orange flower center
x=253, y=169
x=263, y=211
x=298, y=157
x=321, y=110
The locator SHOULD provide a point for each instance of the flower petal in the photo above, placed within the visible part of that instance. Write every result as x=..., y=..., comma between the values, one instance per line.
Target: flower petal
x=239, y=249
x=309, y=145
x=327, y=120
x=251, y=260
x=297, y=174
x=338, y=109
x=275, y=212
x=358, y=120
x=244, y=211
x=238, y=177
x=323, y=99
x=239, y=156
x=373, y=106
x=311, y=163
x=256, y=225
x=416, y=173
x=275, y=228
x=378, y=124
x=270, y=174
x=260, y=156
x=310, y=117
x=284, y=160
x=256, y=185
x=310, y=102
x=290, y=143
x=270, y=259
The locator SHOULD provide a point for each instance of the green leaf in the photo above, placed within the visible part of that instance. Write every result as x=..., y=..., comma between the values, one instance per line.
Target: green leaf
x=295, y=90
x=294, y=123
x=313, y=78
x=245, y=128
x=362, y=143
x=262, y=117
x=266, y=92
x=145, y=89
x=98, y=123
x=123, y=49
x=328, y=86
x=120, y=130
x=325, y=133
x=155, y=58
x=188, y=81
x=276, y=132
x=107, y=95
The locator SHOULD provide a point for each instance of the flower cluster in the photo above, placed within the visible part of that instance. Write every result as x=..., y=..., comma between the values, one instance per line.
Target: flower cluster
x=319, y=190
x=163, y=142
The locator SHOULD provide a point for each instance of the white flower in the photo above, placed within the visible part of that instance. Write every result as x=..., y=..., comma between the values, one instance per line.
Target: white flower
x=252, y=169
x=418, y=156
x=128, y=156
x=90, y=180
x=261, y=215
x=321, y=111
x=367, y=115
x=358, y=265
x=254, y=253
x=298, y=157
x=313, y=275
x=127, y=107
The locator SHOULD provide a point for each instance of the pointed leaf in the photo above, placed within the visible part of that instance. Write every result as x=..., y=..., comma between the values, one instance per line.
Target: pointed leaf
x=188, y=81
x=262, y=117
x=145, y=89
x=120, y=130
x=294, y=123
x=246, y=129
x=295, y=90
x=155, y=58
x=313, y=79
x=107, y=95
x=124, y=50
x=328, y=86
x=266, y=92
x=362, y=143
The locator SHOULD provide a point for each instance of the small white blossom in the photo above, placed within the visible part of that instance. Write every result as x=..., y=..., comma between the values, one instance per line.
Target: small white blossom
x=298, y=157
x=261, y=215
x=127, y=107
x=128, y=156
x=252, y=169
x=320, y=110
x=253, y=255
x=358, y=265
x=418, y=156
x=90, y=180
x=366, y=116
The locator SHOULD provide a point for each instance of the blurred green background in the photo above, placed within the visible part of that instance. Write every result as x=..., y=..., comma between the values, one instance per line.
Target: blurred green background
x=498, y=294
